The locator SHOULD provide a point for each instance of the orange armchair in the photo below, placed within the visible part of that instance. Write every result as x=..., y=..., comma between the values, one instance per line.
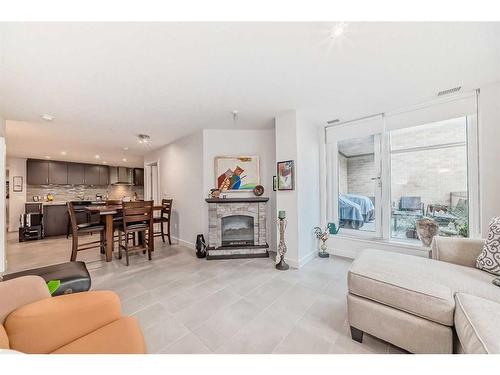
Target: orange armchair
x=91, y=322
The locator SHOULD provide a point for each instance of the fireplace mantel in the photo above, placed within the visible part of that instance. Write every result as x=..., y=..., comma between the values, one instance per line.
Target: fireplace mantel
x=237, y=200
x=219, y=209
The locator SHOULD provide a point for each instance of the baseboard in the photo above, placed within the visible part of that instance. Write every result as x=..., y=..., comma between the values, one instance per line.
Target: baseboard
x=182, y=242
x=302, y=261
x=345, y=253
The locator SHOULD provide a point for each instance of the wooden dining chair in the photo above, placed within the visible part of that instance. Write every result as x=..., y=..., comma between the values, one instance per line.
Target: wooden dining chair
x=137, y=218
x=164, y=218
x=78, y=230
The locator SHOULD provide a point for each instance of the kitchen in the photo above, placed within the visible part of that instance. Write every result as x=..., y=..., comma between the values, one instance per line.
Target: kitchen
x=50, y=184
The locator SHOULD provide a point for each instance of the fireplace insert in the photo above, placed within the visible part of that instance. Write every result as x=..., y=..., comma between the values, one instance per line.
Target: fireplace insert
x=237, y=230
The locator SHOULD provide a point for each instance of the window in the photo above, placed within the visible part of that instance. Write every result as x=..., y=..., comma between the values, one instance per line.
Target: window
x=386, y=172
x=429, y=178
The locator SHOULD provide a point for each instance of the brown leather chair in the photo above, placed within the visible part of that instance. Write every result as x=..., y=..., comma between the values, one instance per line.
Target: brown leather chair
x=78, y=230
x=164, y=218
x=31, y=321
x=137, y=218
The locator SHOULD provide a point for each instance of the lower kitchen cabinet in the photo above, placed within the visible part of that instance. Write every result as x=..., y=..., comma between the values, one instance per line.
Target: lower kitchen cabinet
x=55, y=220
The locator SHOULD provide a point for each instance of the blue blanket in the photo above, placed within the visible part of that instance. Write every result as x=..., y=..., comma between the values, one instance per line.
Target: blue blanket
x=365, y=203
x=349, y=210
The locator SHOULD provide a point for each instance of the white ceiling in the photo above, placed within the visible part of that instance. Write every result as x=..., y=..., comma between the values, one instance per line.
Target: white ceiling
x=106, y=82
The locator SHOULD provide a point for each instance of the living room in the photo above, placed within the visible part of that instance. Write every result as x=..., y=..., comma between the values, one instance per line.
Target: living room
x=249, y=187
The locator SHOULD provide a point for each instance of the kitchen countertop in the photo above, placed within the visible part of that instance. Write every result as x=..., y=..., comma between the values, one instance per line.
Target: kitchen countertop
x=63, y=203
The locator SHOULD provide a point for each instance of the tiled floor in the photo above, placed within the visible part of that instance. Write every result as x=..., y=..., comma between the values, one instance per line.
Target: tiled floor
x=191, y=305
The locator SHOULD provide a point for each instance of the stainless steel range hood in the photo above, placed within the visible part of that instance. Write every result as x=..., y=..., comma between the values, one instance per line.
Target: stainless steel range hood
x=121, y=176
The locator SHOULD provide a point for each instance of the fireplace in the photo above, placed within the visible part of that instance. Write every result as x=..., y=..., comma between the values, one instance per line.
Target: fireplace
x=237, y=230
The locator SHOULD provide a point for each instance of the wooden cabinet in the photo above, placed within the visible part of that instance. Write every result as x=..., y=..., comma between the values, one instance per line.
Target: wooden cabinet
x=138, y=177
x=55, y=220
x=103, y=175
x=37, y=172
x=76, y=174
x=92, y=174
x=58, y=172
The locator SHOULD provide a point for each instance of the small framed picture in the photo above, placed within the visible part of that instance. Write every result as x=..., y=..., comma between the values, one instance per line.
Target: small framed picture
x=285, y=171
x=17, y=182
x=274, y=183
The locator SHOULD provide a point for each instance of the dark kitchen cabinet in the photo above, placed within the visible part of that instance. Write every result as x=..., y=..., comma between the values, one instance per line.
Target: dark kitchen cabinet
x=55, y=220
x=138, y=177
x=58, y=172
x=37, y=172
x=103, y=175
x=92, y=174
x=76, y=174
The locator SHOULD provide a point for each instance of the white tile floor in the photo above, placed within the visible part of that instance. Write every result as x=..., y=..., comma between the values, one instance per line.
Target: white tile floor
x=191, y=305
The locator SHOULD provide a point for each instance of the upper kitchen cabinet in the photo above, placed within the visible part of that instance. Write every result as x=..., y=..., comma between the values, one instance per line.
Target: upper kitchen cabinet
x=37, y=172
x=103, y=175
x=92, y=174
x=138, y=177
x=58, y=172
x=76, y=174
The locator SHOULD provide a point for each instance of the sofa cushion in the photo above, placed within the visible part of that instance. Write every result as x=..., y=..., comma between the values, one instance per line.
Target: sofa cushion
x=4, y=339
x=489, y=259
x=123, y=336
x=417, y=285
x=477, y=323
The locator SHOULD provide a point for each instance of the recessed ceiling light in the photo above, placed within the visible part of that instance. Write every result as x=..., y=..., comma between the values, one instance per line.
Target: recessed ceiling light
x=104, y=162
x=47, y=117
x=124, y=159
x=63, y=152
x=125, y=149
x=97, y=156
x=338, y=30
x=47, y=157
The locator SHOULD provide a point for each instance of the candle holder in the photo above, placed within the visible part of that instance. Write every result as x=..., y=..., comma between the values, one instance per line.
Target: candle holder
x=280, y=256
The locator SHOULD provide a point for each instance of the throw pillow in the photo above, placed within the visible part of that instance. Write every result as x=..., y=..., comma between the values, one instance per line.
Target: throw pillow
x=489, y=259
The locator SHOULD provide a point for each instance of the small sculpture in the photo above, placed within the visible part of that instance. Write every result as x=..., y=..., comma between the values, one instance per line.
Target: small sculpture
x=427, y=229
x=280, y=256
x=322, y=235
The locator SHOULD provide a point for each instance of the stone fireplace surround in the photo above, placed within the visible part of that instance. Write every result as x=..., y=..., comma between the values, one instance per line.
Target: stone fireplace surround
x=219, y=208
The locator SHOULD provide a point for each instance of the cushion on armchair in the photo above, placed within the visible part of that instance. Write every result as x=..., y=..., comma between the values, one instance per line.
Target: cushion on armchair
x=489, y=259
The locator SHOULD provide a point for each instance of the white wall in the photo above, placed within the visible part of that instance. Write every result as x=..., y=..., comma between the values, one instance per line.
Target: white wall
x=16, y=167
x=239, y=143
x=297, y=139
x=181, y=178
x=2, y=195
x=489, y=154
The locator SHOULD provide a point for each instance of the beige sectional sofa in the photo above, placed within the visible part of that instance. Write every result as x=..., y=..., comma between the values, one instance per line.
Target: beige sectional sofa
x=438, y=305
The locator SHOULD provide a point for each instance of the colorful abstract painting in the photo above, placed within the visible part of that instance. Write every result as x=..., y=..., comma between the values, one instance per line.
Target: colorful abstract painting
x=236, y=173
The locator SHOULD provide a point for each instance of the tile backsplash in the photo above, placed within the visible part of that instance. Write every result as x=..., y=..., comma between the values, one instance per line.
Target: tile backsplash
x=75, y=192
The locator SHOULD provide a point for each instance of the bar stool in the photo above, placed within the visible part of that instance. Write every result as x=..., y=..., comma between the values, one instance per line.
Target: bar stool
x=78, y=230
x=166, y=213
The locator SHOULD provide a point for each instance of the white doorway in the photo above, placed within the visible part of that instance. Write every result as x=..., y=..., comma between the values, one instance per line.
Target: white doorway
x=152, y=182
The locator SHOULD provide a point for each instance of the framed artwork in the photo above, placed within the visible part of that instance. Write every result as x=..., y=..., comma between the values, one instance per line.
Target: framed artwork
x=285, y=175
x=274, y=183
x=17, y=182
x=237, y=173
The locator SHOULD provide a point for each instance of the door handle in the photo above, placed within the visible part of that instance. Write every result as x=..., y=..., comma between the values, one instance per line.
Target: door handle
x=375, y=178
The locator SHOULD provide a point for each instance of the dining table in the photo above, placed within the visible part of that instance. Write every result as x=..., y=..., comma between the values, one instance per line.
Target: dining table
x=107, y=213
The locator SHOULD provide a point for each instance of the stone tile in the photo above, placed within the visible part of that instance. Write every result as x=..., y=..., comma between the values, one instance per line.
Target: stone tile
x=301, y=341
x=188, y=344
x=267, y=293
x=227, y=322
x=152, y=315
x=163, y=333
x=138, y=303
x=201, y=311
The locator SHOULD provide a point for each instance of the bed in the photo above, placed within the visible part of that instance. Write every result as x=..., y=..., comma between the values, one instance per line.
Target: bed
x=355, y=210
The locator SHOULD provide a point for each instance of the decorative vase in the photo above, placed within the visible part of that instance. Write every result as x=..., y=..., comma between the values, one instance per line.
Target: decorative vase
x=323, y=247
x=427, y=229
x=280, y=256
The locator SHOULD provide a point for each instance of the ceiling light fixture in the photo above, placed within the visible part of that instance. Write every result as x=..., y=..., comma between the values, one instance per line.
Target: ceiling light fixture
x=47, y=157
x=338, y=30
x=235, y=114
x=125, y=149
x=64, y=153
x=97, y=156
x=104, y=162
x=143, y=138
x=124, y=159
x=47, y=117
